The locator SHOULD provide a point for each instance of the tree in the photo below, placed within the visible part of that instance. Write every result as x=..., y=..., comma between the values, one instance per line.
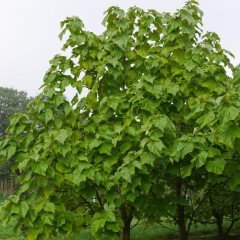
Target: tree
x=11, y=101
x=148, y=126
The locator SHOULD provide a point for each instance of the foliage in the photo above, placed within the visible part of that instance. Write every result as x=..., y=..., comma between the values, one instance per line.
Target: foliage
x=11, y=101
x=160, y=119
x=140, y=232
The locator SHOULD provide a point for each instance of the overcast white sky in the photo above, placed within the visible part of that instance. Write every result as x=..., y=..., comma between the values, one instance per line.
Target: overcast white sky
x=29, y=30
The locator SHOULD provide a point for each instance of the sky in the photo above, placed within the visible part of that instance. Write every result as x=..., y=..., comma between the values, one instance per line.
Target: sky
x=29, y=31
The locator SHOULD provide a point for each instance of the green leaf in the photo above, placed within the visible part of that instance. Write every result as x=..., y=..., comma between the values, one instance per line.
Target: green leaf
x=216, y=166
x=155, y=147
x=212, y=152
x=61, y=136
x=201, y=159
x=149, y=78
x=29, y=138
x=228, y=114
x=125, y=174
x=48, y=115
x=206, y=119
x=67, y=108
x=132, y=196
x=114, y=62
x=110, y=216
x=94, y=143
x=19, y=129
x=87, y=81
x=122, y=41
x=161, y=122
x=110, y=161
x=23, y=164
x=79, y=86
x=79, y=38
x=149, y=105
x=234, y=181
x=188, y=148
x=113, y=103
x=40, y=168
x=125, y=147
x=105, y=148
x=49, y=207
x=49, y=92
x=143, y=51
x=11, y=151
x=59, y=100
x=24, y=208
x=66, y=148
x=98, y=224
x=32, y=233
x=24, y=187
x=186, y=171
x=99, y=220
x=41, y=107
x=171, y=87
x=147, y=158
x=15, y=119
x=229, y=135
x=47, y=218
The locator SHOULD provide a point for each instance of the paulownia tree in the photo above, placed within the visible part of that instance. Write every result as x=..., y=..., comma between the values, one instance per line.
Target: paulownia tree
x=148, y=125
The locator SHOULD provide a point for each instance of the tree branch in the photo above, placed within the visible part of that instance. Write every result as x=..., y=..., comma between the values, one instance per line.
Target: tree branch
x=88, y=204
x=99, y=200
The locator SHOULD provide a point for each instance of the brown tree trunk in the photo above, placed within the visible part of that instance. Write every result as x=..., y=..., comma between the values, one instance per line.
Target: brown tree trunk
x=181, y=223
x=127, y=219
x=126, y=233
x=221, y=234
x=183, y=234
x=219, y=222
x=219, y=219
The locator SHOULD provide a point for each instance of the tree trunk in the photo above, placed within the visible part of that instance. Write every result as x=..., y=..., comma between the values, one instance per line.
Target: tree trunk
x=181, y=223
x=183, y=234
x=219, y=219
x=219, y=222
x=126, y=232
x=127, y=219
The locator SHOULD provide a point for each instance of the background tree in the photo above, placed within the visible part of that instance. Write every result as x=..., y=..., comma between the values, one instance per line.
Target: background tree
x=11, y=101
